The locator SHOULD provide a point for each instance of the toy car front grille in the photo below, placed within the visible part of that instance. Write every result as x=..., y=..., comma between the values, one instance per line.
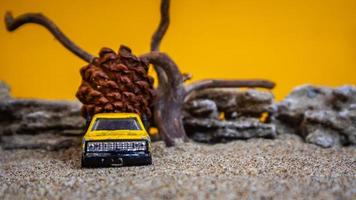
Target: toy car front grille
x=108, y=146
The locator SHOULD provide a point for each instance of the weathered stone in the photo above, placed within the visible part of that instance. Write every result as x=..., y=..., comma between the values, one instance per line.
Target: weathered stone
x=23, y=116
x=242, y=111
x=31, y=123
x=281, y=127
x=254, y=102
x=329, y=119
x=201, y=108
x=47, y=141
x=236, y=102
x=213, y=130
x=261, y=131
x=203, y=137
x=344, y=97
x=321, y=115
x=303, y=98
x=323, y=137
x=4, y=91
x=224, y=98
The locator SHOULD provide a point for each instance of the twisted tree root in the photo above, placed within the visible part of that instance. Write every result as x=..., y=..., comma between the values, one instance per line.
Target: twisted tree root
x=211, y=83
x=170, y=98
x=171, y=92
x=162, y=27
x=37, y=18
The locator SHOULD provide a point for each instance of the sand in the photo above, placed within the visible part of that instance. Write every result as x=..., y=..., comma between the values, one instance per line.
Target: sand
x=284, y=168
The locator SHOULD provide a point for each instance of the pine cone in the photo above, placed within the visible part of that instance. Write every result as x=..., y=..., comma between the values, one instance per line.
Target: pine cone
x=116, y=83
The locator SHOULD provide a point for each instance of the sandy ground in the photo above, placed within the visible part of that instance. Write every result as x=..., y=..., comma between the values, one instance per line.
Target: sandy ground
x=285, y=168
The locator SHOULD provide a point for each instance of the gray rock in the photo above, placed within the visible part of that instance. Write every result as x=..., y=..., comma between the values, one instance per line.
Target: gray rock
x=281, y=127
x=254, y=102
x=261, y=131
x=23, y=116
x=224, y=98
x=4, y=91
x=320, y=115
x=303, y=98
x=47, y=141
x=201, y=108
x=324, y=138
x=323, y=116
x=241, y=109
x=213, y=130
x=203, y=137
x=236, y=102
x=21, y=120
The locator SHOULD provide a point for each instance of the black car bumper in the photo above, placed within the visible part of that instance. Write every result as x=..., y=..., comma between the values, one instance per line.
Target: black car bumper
x=115, y=160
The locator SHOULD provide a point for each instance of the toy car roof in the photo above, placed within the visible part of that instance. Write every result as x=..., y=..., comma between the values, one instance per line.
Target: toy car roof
x=116, y=115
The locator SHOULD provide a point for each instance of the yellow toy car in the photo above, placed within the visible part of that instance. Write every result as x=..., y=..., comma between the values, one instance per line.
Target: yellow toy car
x=116, y=139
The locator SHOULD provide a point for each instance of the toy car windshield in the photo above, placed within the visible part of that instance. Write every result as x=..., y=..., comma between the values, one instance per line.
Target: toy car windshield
x=116, y=124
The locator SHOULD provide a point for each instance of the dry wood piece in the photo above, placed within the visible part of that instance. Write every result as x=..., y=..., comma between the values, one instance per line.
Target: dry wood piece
x=170, y=98
x=204, y=84
x=37, y=18
x=162, y=27
x=171, y=94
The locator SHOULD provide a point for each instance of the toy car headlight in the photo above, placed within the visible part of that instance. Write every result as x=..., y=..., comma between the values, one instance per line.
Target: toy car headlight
x=116, y=146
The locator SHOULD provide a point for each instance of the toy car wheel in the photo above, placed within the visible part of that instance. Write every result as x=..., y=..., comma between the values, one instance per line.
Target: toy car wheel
x=83, y=164
x=149, y=162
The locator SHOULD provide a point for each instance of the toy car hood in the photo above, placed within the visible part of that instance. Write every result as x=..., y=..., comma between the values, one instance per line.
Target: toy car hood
x=116, y=135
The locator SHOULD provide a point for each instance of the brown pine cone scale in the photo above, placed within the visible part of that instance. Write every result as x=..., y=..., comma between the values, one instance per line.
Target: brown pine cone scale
x=116, y=83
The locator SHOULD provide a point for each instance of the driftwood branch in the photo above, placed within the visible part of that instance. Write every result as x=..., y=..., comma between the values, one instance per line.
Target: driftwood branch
x=163, y=26
x=229, y=84
x=37, y=18
x=158, y=36
x=171, y=92
x=187, y=76
x=170, y=98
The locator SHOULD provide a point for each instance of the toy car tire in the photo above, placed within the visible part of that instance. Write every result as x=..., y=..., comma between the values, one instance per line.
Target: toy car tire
x=95, y=162
x=83, y=164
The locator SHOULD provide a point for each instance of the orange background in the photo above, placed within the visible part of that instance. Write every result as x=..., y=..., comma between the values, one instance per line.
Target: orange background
x=290, y=42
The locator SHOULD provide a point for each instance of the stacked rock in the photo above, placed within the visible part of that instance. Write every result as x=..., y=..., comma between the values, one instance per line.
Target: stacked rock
x=321, y=115
x=220, y=115
x=38, y=124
